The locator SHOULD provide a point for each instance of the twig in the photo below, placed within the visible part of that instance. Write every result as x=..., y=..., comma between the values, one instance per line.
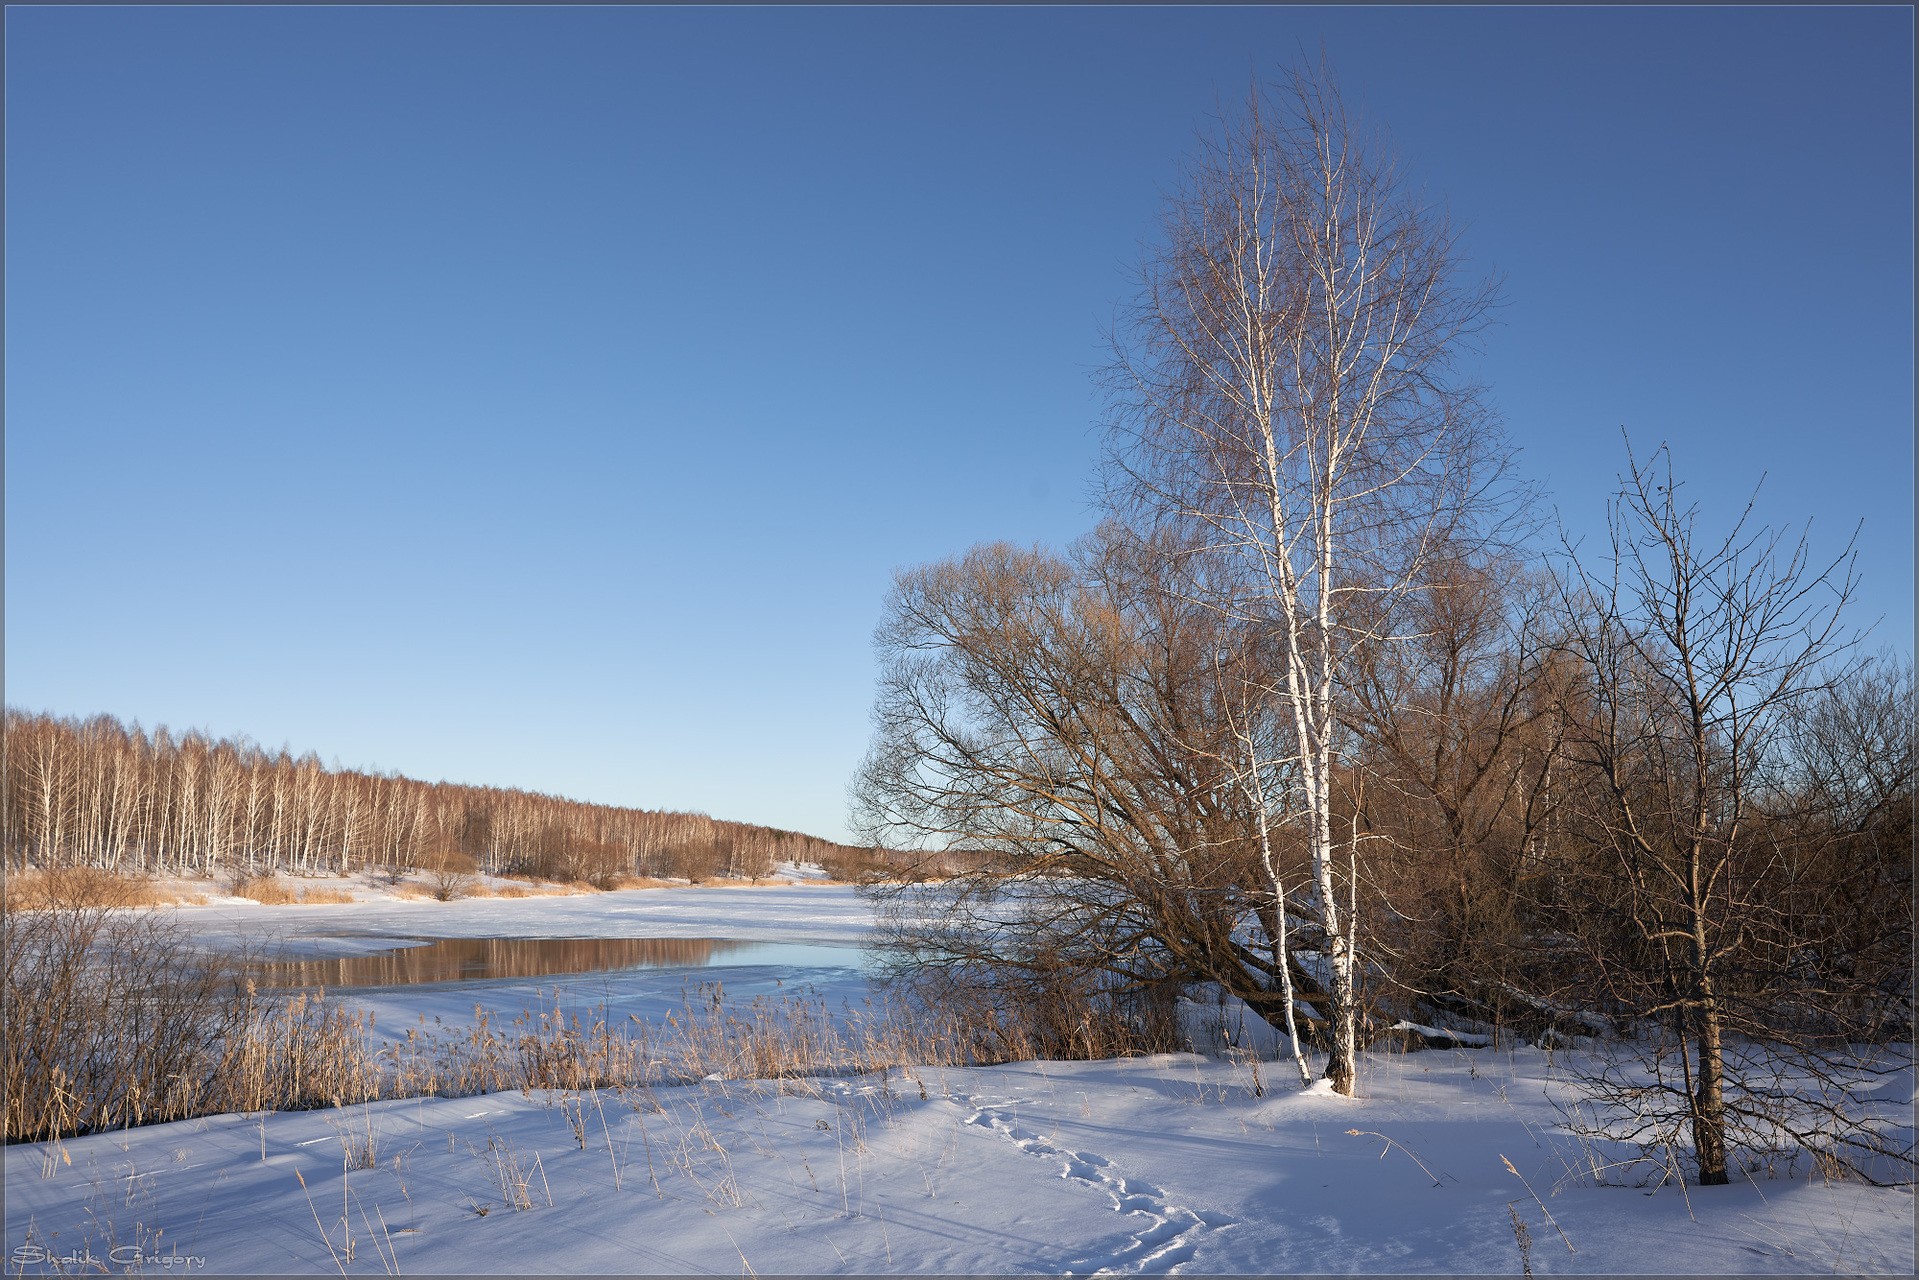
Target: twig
x=324, y=1238
x=1536, y=1200
x=1390, y=1144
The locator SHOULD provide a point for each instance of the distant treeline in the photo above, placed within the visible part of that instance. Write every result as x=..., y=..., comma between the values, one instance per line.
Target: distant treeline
x=99, y=793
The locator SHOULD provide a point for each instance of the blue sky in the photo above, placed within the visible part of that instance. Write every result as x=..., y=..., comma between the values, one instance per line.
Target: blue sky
x=544, y=397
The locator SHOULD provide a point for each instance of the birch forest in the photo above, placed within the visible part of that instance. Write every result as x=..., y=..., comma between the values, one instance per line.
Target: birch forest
x=97, y=792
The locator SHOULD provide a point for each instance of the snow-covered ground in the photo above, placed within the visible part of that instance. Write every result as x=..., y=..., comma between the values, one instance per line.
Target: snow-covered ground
x=1166, y=1163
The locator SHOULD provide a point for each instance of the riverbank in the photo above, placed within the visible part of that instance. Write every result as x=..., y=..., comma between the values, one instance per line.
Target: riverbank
x=715, y=1143
x=1451, y=1163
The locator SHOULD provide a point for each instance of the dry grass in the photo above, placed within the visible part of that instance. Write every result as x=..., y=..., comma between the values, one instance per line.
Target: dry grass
x=518, y=888
x=608, y=885
x=79, y=887
x=532, y=891
x=522, y=885
x=112, y=1019
x=272, y=891
x=177, y=897
x=267, y=890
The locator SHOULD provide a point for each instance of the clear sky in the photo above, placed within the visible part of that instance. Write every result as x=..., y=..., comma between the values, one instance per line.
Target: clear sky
x=544, y=397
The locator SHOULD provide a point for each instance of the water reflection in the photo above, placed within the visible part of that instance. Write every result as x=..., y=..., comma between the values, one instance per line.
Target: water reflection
x=470, y=959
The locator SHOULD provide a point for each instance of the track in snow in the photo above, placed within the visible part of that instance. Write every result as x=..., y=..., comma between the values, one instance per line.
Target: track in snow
x=1172, y=1233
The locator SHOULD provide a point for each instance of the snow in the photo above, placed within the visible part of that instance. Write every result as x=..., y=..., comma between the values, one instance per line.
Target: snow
x=1465, y=1039
x=1170, y=1163
x=809, y=916
x=773, y=912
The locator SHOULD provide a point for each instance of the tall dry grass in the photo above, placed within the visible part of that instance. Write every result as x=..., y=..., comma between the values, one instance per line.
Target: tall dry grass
x=29, y=889
x=272, y=891
x=267, y=890
x=107, y=1019
x=113, y=1019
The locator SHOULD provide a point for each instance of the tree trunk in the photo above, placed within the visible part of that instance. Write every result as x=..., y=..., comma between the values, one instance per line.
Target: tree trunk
x=1709, y=1098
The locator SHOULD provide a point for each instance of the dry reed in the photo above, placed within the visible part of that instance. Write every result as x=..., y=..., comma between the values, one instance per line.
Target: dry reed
x=113, y=1019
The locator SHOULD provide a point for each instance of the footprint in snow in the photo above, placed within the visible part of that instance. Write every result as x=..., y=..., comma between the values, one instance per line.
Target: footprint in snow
x=1172, y=1232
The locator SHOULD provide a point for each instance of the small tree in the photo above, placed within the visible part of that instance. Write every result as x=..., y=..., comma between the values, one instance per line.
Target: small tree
x=450, y=870
x=1690, y=900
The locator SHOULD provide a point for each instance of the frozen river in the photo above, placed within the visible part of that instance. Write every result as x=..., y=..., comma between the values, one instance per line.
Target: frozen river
x=640, y=952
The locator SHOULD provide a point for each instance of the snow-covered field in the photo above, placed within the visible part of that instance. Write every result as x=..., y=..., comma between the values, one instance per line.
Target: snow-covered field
x=1165, y=1163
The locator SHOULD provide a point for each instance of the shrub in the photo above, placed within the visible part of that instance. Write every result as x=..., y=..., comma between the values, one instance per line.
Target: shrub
x=108, y=1018
x=450, y=873
x=1043, y=1008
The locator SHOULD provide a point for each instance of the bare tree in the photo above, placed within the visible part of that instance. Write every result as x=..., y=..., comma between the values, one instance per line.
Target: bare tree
x=1696, y=906
x=1287, y=389
x=1460, y=738
x=1059, y=721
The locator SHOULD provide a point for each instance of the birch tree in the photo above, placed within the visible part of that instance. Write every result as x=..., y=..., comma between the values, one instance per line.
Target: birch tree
x=1287, y=387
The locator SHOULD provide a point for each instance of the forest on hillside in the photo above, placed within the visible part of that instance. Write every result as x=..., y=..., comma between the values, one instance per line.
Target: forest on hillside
x=100, y=793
